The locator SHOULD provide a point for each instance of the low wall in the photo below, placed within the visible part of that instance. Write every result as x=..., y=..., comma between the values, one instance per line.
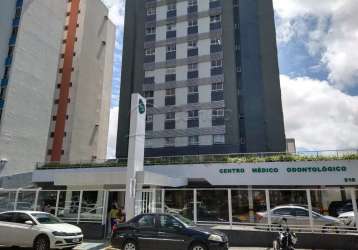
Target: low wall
x=241, y=238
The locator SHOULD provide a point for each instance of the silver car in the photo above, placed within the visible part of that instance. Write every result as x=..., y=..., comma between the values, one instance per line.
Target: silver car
x=348, y=219
x=298, y=216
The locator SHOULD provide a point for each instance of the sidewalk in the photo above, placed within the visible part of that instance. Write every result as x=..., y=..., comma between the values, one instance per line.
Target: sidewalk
x=106, y=246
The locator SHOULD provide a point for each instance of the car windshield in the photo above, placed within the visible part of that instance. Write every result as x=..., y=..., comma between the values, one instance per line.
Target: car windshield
x=184, y=220
x=46, y=218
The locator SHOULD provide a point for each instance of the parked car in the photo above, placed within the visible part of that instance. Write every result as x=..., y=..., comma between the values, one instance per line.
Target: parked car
x=39, y=230
x=348, y=218
x=298, y=216
x=166, y=231
x=338, y=207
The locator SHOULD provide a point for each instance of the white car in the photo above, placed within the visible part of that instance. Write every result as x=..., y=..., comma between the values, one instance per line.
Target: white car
x=39, y=230
x=348, y=219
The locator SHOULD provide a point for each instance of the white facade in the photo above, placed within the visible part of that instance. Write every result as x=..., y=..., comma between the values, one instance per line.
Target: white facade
x=27, y=113
x=88, y=112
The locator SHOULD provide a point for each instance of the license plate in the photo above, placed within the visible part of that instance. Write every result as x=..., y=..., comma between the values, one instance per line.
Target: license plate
x=76, y=240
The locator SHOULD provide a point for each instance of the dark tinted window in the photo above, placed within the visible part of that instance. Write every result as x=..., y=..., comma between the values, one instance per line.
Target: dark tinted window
x=301, y=212
x=21, y=218
x=169, y=222
x=282, y=211
x=146, y=221
x=7, y=217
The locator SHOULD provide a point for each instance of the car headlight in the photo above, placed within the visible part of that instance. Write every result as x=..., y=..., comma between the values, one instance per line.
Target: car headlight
x=59, y=233
x=215, y=237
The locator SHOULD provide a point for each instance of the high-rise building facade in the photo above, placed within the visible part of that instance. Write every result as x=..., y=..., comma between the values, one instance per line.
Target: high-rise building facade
x=56, y=69
x=209, y=71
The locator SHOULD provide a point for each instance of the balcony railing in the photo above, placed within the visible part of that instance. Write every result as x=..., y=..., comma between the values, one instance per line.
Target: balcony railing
x=328, y=155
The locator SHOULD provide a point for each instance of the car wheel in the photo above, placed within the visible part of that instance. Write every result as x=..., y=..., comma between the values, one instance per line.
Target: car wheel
x=130, y=245
x=42, y=243
x=198, y=246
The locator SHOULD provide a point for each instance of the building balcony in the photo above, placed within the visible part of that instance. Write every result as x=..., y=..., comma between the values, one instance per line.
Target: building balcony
x=4, y=82
x=149, y=59
x=193, y=74
x=216, y=71
x=171, y=55
x=193, y=30
x=149, y=38
x=215, y=48
x=16, y=22
x=8, y=61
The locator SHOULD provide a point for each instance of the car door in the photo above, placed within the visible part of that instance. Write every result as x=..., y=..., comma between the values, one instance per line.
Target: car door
x=171, y=233
x=280, y=213
x=302, y=217
x=5, y=229
x=23, y=233
x=147, y=232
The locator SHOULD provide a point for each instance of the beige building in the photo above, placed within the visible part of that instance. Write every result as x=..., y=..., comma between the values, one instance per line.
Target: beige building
x=56, y=72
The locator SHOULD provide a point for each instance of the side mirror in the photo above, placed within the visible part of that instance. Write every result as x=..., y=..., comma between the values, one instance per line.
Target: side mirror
x=28, y=222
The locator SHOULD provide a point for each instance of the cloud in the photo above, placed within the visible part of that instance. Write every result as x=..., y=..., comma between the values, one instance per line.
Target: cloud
x=319, y=116
x=112, y=134
x=329, y=29
x=116, y=11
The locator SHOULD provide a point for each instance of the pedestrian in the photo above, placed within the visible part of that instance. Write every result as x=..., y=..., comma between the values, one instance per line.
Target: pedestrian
x=113, y=215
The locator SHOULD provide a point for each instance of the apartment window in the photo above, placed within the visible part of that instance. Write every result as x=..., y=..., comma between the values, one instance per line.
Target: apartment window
x=151, y=11
x=215, y=45
x=217, y=91
x=150, y=34
x=192, y=2
x=149, y=95
x=218, y=139
x=218, y=117
x=171, y=51
x=193, y=94
x=215, y=22
x=172, y=10
x=192, y=6
x=170, y=74
x=169, y=97
x=149, y=77
x=193, y=119
x=149, y=123
x=171, y=29
x=214, y=4
x=149, y=52
x=193, y=71
x=216, y=67
x=193, y=26
x=170, y=142
x=169, y=120
x=150, y=31
x=192, y=48
x=193, y=140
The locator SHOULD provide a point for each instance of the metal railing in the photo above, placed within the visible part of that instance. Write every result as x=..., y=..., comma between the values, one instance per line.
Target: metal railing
x=327, y=155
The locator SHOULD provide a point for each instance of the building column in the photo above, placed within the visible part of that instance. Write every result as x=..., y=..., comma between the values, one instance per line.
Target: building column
x=251, y=205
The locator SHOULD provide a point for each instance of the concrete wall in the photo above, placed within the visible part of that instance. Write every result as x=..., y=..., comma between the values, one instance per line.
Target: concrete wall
x=26, y=118
x=92, y=81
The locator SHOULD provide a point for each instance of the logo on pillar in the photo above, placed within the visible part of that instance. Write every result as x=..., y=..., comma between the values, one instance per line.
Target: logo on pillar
x=141, y=106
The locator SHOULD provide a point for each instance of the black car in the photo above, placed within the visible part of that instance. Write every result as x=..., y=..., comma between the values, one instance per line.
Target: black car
x=166, y=232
